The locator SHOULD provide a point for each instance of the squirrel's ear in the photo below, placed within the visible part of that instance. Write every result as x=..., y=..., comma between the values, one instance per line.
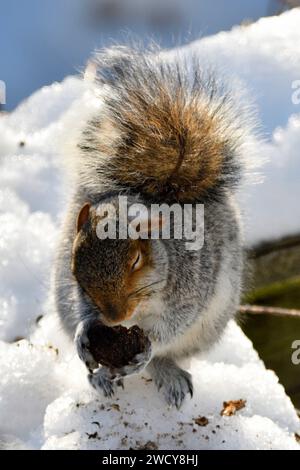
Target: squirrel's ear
x=83, y=215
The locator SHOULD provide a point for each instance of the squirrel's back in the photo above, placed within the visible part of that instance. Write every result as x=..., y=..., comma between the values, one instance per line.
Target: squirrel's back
x=167, y=130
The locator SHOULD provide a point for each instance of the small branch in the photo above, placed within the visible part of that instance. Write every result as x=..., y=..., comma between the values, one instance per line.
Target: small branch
x=265, y=248
x=277, y=311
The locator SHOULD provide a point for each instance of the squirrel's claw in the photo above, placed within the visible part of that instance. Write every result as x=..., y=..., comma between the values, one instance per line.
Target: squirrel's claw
x=139, y=362
x=178, y=387
x=175, y=382
x=101, y=381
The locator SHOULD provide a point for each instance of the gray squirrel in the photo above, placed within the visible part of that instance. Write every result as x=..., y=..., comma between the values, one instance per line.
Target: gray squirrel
x=167, y=133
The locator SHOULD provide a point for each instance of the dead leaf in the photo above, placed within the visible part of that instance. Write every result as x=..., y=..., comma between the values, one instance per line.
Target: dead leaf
x=232, y=406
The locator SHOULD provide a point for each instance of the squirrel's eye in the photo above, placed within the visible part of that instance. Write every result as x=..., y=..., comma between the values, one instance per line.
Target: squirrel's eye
x=137, y=262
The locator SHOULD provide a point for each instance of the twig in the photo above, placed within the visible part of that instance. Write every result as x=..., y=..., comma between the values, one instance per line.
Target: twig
x=277, y=311
x=265, y=248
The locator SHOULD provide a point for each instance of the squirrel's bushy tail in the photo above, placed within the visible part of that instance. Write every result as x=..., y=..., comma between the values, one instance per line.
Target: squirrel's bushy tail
x=167, y=130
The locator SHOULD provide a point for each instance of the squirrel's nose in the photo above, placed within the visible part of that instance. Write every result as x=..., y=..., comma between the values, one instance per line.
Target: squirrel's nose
x=113, y=314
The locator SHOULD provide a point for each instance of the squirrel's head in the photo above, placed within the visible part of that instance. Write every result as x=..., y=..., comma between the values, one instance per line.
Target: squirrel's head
x=119, y=275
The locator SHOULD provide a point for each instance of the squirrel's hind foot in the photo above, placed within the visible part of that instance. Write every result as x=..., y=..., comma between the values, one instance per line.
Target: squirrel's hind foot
x=175, y=382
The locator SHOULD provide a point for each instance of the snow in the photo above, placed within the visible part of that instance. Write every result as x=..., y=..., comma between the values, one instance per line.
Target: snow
x=273, y=208
x=32, y=197
x=67, y=414
x=45, y=401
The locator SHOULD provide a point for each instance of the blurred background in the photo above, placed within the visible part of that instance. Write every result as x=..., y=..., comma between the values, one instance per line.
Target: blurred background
x=43, y=41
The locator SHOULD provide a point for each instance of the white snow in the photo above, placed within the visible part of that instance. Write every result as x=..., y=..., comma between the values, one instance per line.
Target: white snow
x=45, y=401
x=32, y=196
x=59, y=411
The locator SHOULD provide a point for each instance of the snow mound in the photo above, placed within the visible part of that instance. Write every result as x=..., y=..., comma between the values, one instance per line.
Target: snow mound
x=45, y=401
x=59, y=411
x=130, y=420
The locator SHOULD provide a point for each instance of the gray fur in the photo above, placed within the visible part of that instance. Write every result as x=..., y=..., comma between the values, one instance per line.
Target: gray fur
x=188, y=311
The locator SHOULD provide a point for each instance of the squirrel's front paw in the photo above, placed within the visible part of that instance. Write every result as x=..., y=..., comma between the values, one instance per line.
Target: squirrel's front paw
x=82, y=344
x=101, y=380
x=138, y=363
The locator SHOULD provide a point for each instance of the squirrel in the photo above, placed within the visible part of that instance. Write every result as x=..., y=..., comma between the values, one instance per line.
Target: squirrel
x=167, y=133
